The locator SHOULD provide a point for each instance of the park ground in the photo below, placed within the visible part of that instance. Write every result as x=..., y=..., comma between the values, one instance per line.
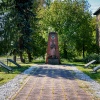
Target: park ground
x=52, y=82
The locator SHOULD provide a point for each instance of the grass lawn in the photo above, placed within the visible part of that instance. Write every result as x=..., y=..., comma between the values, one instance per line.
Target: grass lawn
x=88, y=71
x=5, y=76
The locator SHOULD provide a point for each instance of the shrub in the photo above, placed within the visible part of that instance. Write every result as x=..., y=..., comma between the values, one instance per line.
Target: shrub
x=92, y=57
x=1, y=79
x=78, y=60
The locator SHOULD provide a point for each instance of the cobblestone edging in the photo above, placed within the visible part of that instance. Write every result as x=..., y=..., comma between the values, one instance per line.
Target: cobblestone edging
x=92, y=84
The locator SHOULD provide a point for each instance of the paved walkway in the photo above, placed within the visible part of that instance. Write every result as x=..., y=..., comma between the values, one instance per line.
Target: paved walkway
x=49, y=82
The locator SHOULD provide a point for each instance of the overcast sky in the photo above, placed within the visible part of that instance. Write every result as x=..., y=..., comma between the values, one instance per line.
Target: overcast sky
x=95, y=4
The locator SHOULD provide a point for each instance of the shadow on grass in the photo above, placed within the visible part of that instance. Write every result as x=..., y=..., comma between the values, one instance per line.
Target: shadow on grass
x=39, y=62
x=73, y=64
x=18, y=70
x=35, y=62
x=15, y=69
x=5, y=76
x=95, y=76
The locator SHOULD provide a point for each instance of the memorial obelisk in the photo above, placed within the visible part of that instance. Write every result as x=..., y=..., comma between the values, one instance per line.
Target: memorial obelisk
x=52, y=56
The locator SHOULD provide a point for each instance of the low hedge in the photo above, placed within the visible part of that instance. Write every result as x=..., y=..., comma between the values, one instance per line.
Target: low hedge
x=92, y=57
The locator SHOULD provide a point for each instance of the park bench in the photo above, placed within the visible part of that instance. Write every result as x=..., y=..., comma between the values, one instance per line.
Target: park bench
x=12, y=61
x=95, y=69
x=89, y=63
x=5, y=66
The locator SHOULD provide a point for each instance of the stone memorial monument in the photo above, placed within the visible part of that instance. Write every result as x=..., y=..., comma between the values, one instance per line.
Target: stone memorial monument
x=52, y=56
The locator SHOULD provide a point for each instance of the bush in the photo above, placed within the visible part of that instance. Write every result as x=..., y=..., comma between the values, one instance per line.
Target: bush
x=1, y=79
x=78, y=60
x=92, y=57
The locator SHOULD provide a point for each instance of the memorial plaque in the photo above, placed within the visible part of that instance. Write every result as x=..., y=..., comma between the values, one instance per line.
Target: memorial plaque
x=53, y=56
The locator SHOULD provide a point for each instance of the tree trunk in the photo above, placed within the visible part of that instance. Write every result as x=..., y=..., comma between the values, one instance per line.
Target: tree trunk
x=21, y=48
x=83, y=50
x=14, y=58
x=29, y=56
x=21, y=58
x=65, y=51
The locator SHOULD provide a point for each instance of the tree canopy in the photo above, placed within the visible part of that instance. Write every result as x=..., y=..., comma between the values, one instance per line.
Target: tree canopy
x=71, y=20
x=26, y=24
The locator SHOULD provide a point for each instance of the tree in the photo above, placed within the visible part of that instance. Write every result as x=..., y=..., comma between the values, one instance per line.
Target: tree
x=21, y=26
x=71, y=20
x=18, y=25
x=23, y=9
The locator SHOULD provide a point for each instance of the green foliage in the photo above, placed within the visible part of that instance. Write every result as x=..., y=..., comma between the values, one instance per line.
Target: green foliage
x=1, y=79
x=26, y=27
x=39, y=46
x=92, y=57
x=23, y=10
x=21, y=30
x=80, y=66
x=5, y=77
x=95, y=76
x=72, y=21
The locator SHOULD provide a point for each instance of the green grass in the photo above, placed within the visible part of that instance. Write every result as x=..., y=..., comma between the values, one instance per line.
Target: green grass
x=88, y=71
x=5, y=76
x=39, y=61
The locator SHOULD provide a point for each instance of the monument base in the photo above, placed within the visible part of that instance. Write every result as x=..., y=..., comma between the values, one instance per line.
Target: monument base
x=53, y=61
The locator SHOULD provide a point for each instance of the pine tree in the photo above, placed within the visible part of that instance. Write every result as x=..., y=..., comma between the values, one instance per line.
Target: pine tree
x=18, y=24
x=23, y=8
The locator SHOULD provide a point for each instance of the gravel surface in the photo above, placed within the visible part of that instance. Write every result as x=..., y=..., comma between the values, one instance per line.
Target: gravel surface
x=10, y=88
x=93, y=84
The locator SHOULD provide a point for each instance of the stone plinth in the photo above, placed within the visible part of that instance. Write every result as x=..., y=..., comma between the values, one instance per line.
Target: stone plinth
x=53, y=61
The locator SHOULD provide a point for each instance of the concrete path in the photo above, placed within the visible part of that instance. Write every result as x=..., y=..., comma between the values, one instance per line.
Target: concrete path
x=52, y=82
